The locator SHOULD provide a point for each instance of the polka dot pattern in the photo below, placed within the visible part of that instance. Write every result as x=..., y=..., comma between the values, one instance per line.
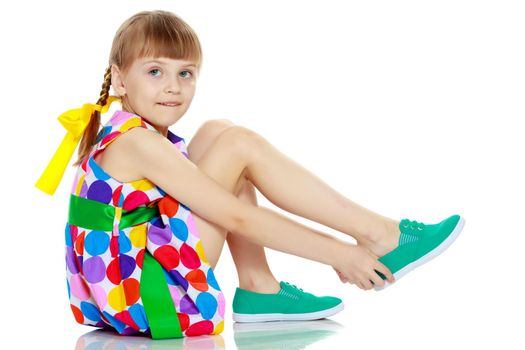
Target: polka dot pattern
x=104, y=268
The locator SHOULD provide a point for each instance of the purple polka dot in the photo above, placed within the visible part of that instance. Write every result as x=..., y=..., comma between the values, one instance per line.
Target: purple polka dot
x=83, y=190
x=159, y=236
x=178, y=279
x=94, y=269
x=100, y=191
x=187, y=306
x=129, y=331
x=158, y=222
x=127, y=265
x=70, y=260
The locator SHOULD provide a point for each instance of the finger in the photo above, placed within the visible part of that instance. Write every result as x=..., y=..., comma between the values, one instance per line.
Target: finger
x=385, y=271
x=366, y=283
x=376, y=280
x=342, y=277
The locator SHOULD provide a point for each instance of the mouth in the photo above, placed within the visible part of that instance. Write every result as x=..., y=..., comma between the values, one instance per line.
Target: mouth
x=170, y=104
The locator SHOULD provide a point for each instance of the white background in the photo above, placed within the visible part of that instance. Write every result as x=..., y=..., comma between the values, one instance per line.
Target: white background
x=410, y=108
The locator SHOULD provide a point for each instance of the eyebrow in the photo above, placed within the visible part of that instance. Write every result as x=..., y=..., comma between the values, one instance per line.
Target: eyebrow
x=161, y=62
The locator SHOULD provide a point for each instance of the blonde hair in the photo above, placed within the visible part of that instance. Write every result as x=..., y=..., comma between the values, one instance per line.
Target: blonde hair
x=147, y=33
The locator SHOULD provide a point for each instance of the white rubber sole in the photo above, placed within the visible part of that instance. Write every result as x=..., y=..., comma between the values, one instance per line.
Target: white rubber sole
x=429, y=256
x=288, y=317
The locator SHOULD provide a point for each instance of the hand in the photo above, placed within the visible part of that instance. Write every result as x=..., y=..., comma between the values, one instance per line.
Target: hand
x=356, y=265
x=341, y=276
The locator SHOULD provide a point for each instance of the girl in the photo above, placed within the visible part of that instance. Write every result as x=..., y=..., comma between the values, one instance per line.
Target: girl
x=148, y=217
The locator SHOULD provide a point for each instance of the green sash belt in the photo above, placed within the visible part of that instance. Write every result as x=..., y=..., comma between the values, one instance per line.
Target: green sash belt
x=158, y=304
x=156, y=298
x=94, y=215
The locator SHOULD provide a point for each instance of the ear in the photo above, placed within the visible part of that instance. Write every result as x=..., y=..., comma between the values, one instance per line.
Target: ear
x=117, y=80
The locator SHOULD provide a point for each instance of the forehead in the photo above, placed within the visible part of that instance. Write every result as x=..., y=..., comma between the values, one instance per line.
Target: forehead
x=164, y=61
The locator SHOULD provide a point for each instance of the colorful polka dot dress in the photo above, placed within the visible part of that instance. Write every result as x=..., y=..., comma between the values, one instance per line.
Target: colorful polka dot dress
x=134, y=258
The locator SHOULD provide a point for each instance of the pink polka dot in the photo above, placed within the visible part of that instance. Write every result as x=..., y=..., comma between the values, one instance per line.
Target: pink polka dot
x=99, y=295
x=175, y=295
x=222, y=304
x=119, y=117
x=78, y=287
x=191, y=226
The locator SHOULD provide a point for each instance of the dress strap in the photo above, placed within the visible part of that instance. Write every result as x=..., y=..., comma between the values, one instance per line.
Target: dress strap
x=120, y=123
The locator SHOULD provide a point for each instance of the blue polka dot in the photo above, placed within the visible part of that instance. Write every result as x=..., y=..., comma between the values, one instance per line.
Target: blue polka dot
x=90, y=311
x=179, y=229
x=99, y=173
x=211, y=280
x=103, y=133
x=138, y=315
x=119, y=326
x=169, y=279
x=96, y=242
x=124, y=243
x=69, y=242
x=207, y=305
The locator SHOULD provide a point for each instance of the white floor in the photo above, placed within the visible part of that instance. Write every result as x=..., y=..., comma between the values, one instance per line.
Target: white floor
x=410, y=108
x=439, y=312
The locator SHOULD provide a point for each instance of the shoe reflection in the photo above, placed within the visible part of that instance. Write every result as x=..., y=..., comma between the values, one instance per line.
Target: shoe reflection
x=101, y=339
x=282, y=334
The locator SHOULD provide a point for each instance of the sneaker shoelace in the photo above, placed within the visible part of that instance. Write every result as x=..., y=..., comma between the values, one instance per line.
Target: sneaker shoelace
x=294, y=286
x=413, y=225
x=411, y=233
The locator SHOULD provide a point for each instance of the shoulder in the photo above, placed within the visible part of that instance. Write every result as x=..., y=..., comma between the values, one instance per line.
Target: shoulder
x=144, y=145
x=140, y=141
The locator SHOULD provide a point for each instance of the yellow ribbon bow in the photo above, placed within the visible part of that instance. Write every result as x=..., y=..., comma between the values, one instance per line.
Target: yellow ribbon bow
x=75, y=122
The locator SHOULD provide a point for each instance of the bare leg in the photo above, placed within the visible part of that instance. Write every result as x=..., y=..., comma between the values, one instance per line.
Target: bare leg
x=250, y=260
x=293, y=188
x=238, y=152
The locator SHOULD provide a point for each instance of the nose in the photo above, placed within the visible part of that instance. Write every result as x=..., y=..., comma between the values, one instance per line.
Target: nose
x=172, y=86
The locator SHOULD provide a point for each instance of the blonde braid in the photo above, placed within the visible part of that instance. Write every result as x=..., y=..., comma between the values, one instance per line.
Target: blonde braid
x=90, y=134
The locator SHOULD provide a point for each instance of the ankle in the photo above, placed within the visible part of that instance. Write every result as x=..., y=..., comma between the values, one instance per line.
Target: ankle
x=260, y=283
x=384, y=238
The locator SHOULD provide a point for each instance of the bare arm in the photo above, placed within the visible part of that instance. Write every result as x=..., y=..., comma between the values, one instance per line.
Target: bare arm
x=156, y=159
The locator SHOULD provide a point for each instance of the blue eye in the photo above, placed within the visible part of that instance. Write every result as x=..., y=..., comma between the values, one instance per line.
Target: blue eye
x=187, y=71
x=154, y=72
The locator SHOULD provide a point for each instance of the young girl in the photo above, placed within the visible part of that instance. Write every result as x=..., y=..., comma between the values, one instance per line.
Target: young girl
x=148, y=217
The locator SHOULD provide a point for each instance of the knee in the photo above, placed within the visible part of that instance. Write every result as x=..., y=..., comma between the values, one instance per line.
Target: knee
x=242, y=139
x=217, y=125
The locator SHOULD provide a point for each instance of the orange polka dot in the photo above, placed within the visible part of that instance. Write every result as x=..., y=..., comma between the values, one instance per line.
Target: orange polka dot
x=168, y=206
x=131, y=290
x=79, y=243
x=197, y=279
x=79, y=317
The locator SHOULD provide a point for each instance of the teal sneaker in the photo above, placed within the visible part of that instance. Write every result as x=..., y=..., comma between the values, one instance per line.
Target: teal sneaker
x=289, y=304
x=418, y=244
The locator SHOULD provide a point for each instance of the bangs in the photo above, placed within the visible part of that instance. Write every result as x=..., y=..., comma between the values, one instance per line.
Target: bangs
x=157, y=36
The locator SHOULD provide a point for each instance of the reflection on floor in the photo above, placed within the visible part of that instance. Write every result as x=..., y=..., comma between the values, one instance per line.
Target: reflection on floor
x=282, y=335
x=248, y=336
x=103, y=340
